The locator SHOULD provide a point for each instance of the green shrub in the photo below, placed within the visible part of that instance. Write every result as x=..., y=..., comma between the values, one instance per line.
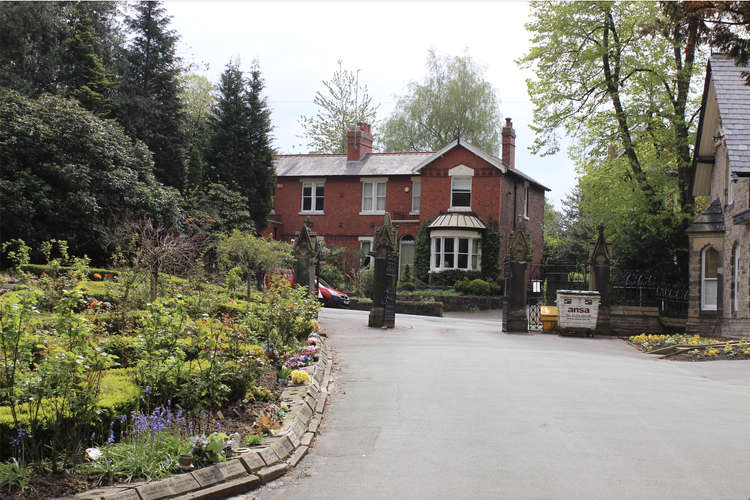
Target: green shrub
x=462, y=286
x=448, y=277
x=332, y=275
x=496, y=288
x=479, y=287
x=406, y=282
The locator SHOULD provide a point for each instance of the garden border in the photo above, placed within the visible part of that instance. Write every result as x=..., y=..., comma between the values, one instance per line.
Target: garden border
x=251, y=469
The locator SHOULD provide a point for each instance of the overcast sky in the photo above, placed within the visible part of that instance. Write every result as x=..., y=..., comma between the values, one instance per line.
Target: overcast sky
x=298, y=45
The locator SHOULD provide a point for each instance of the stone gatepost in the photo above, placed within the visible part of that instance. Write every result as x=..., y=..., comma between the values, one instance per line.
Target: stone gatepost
x=515, y=274
x=385, y=274
x=600, y=261
x=305, y=251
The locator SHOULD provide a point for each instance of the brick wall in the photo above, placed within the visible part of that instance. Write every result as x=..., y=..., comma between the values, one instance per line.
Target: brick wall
x=493, y=195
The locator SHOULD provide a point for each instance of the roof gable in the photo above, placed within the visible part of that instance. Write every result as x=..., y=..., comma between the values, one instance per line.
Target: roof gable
x=492, y=160
x=733, y=100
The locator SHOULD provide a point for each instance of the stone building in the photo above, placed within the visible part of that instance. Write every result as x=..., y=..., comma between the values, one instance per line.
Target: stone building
x=459, y=189
x=719, y=238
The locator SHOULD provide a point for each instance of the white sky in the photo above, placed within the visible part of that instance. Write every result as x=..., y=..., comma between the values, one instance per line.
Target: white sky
x=298, y=46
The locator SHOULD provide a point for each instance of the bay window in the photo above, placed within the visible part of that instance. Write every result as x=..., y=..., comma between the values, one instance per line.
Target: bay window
x=456, y=252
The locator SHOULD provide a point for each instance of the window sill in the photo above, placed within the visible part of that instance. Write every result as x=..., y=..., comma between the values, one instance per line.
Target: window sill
x=414, y=213
x=373, y=212
x=317, y=212
x=460, y=209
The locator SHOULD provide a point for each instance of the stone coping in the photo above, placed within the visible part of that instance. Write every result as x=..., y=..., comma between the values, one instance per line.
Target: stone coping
x=251, y=469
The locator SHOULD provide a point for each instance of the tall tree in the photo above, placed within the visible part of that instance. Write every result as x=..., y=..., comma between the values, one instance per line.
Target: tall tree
x=197, y=96
x=618, y=77
x=454, y=99
x=240, y=153
x=260, y=199
x=149, y=104
x=86, y=74
x=731, y=27
x=66, y=174
x=342, y=103
x=59, y=48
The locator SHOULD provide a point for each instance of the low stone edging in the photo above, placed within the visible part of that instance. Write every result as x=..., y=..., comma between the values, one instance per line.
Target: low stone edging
x=254, y=468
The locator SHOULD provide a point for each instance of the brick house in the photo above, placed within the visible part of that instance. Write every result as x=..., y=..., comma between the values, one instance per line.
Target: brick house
x=459, y=189
x=719, y=239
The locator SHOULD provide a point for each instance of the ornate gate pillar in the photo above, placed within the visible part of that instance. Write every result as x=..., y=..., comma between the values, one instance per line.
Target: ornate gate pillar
x=305, y=251
x=600, y=261
x=515, y=273
x=385, y=274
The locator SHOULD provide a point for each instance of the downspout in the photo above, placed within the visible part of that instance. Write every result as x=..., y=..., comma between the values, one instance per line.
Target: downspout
x=515, y=203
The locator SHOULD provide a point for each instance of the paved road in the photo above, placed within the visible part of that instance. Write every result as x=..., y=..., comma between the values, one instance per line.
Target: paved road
x=448, y=408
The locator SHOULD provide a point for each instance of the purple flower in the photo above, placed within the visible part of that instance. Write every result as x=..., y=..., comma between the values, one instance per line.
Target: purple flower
x=147, y=391
x=123, y=418
x=19, y=435
x=111, y=438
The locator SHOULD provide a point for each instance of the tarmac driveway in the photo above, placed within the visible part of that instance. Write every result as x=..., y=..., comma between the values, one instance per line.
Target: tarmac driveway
x=450, y=408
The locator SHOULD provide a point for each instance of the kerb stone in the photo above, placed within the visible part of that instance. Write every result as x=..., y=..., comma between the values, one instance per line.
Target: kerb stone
x=269, y=456
x=307, y=439
x=270, y=473
x=297, y=456
x=282, y=447
x=223, y=490
x=252, y=461
x=155, y=490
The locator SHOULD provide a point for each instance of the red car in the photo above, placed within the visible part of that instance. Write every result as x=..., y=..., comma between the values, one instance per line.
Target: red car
x=331, y=297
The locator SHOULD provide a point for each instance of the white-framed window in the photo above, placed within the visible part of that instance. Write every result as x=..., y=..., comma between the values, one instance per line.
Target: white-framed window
x=373, y=196
x=365, y=247
x=709, y=279
x=526, y=200
x=456, y=252
x=313, y=194
x=416, y=195
x=460, y=192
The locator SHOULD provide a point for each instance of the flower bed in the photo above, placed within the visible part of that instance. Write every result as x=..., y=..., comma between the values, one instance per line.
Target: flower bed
x=137, y=383
x=691, y=347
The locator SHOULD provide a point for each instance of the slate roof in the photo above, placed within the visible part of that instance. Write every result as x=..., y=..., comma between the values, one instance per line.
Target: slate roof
x=454, y=220
x=733, y=98
x=378, y=164
x=710, y=221
x=373, y=164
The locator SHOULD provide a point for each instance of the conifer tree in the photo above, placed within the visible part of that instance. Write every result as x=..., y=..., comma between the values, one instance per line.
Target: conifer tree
x=149, y=105
x=240, y=155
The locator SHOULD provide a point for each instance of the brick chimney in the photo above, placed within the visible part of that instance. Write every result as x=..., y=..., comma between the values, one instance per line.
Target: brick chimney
x=509, y=143
x=358, y=142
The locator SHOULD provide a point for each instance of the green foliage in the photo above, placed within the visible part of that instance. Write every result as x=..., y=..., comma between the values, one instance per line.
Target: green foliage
x=282, y=317
x=209, y=450
x=198, y=98
x=149, y=456
x=16, y=251
x=66, y=174
x=13, y=475
x=491, y=242
x=455, y=98
x=332, y=275
x=342, y=104
x=254, y=439
x=252, y=254
x=422, y=252
x=618, y=77
x=567, y=234
x=448, y=277
x=406, y=282
x=240, y=155
x=216, y=209
x=729, y=29
x=233, y=280
x=478, y=287
x=148, y=103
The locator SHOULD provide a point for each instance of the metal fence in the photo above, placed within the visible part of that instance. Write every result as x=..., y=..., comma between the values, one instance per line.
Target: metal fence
x=626, y=287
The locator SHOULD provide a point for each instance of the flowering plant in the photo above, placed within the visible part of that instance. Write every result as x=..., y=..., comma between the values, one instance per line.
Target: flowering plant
x=300, y=377
x=295, y=362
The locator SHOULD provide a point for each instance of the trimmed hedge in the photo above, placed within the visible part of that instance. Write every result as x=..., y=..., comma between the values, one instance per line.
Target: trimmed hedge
x=448, y=278
x=38, y=269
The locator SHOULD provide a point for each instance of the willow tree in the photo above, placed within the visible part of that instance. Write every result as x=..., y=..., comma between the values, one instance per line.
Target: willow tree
x=454, y=99
x=622, y=79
